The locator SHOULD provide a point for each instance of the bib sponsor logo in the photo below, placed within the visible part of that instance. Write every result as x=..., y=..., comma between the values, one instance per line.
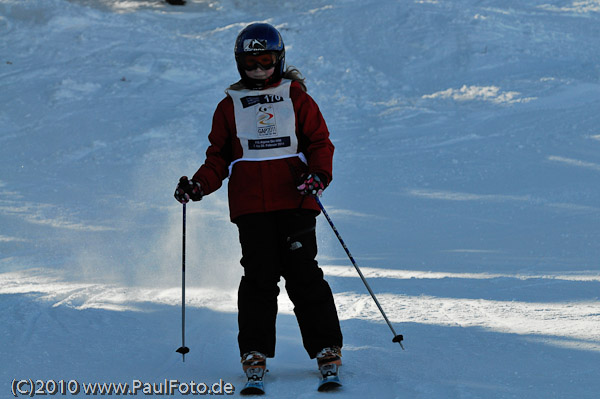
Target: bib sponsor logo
x=265, y=121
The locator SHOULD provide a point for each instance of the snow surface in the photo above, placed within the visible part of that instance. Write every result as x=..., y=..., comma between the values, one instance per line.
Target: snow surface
x=467, y=163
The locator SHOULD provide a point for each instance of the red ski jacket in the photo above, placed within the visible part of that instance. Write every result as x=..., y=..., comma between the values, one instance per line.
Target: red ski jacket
x=265, y=186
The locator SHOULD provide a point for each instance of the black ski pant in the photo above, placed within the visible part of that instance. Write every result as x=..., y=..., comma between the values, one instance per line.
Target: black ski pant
x=283, y=244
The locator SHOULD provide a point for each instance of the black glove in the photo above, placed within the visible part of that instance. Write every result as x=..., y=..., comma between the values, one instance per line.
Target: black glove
x=312, y=184
x=188, y=190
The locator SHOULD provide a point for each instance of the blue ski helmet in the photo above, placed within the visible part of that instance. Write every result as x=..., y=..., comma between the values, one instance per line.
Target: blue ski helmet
x=255, y=39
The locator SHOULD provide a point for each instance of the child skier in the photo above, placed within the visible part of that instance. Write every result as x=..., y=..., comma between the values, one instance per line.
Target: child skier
x=269, y=137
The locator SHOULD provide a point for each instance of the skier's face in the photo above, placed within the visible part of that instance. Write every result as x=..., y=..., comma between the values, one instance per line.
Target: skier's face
x=260, y=74
x=264, y=60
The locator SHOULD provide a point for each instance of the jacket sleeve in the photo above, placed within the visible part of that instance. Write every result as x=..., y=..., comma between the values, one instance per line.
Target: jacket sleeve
x=219, y=153
x=313, y=134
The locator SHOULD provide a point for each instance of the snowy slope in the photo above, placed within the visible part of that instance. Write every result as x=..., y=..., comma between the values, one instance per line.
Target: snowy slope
x=466, y=169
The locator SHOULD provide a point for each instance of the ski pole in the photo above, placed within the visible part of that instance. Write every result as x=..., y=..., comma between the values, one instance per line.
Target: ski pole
x=183, y=349
x=397, y=337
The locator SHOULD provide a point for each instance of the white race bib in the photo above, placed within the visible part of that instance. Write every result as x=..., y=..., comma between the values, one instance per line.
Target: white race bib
x=266, y=123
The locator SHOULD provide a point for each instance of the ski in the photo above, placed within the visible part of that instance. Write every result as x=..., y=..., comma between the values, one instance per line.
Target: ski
x=255, y=384
x=330, y=379
x=253, y=388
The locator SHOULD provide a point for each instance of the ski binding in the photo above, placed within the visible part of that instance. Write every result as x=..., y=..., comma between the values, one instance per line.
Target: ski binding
x=330, y=380
x=255, y=384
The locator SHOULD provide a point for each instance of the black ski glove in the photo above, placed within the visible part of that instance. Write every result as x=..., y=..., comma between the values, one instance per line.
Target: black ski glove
x=188, y=190
x=312, y=184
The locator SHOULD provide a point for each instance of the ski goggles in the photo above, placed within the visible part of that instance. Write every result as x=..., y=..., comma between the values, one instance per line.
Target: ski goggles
x=265, y=61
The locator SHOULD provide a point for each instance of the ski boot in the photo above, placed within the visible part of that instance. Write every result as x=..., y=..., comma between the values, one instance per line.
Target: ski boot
x=329, y=360
x=255, y=366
